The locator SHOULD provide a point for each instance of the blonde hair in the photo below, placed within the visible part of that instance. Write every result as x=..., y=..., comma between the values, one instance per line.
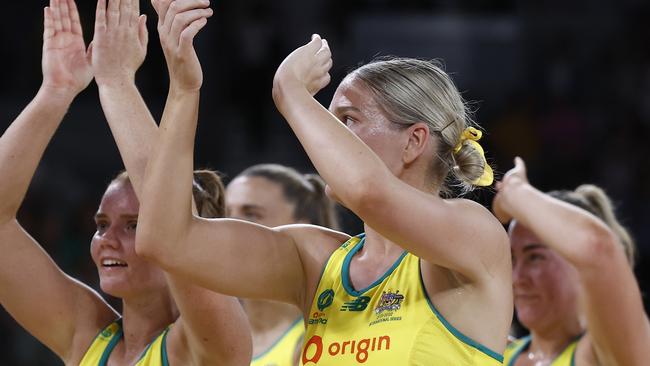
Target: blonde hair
x=410, y=91
x=594, y=200
x=207, y=189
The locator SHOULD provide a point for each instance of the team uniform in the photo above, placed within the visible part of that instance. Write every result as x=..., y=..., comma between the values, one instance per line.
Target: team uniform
x=566, y=358
x=392, y=322
x=107, y=339
x=282, y=352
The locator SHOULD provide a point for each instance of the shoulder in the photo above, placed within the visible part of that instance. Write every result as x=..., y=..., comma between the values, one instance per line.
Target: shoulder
x=480, y=222
x=314, y=238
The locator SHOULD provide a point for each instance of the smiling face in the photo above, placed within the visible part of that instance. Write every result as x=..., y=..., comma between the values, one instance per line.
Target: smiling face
x=545, y=286
x=121, y=272
x=259, y=200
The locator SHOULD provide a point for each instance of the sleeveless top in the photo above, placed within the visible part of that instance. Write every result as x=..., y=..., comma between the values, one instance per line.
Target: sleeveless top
x=107, y=339
x=566, y=358
x=281, y=353
x=392, y=322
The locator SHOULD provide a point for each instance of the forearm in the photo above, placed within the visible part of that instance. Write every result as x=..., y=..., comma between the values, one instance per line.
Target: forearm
x=132, y=125
x=328, y=143
x=166, y=202
x=580, y=237
x=23, y=143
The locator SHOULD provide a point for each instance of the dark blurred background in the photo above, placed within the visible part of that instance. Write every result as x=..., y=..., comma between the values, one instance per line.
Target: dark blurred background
x=565, y=85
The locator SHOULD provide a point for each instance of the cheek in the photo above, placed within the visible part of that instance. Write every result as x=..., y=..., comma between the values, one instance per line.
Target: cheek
x=94, y=249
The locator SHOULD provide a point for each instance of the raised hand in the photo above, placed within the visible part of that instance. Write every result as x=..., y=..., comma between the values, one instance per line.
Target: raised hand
x=179, y=21
x=514, y=178
x=66, y=65
x=308, y=67
x=120, y=42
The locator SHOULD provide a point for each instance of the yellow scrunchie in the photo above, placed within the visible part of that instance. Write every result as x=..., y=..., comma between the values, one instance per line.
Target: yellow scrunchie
x=472, y=135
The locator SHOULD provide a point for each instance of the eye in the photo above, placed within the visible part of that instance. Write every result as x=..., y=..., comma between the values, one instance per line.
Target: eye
x=536, y=257
x=101, y=225
x=347, y=120
x=131, y=225
x=253, y=216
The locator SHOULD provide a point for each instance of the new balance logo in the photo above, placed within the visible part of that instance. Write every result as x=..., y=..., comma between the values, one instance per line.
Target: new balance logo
x=358, y=304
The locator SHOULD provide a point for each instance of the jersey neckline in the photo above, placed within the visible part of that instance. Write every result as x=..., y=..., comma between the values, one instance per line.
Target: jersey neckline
x=345, y=269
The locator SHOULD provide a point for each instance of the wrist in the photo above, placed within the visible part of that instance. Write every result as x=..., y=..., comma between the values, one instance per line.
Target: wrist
x=516, y=192
x=119, y=81
x=283, y=90
x=178, y=91
x=56, y=95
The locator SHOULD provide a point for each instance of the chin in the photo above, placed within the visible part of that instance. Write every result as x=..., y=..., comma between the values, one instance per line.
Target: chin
x=530, y=318
x=113, y=288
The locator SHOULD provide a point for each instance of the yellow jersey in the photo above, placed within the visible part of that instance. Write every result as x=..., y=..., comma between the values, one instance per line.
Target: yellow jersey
x=392, y=322
x=107, y=339
x=282, y=352
x=566, y=358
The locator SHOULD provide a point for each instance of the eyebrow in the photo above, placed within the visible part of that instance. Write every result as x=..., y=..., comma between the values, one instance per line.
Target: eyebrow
x=340, y=110
x=533, y=247
x=100, y=215
x=252, y=207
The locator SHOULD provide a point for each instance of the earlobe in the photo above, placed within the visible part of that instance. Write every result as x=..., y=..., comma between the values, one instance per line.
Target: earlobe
x=418, y=138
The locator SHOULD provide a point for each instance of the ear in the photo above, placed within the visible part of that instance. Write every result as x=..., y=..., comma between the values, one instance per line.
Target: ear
x=418, y=138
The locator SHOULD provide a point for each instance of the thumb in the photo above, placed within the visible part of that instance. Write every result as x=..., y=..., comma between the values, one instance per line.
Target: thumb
x=520, y=165
x=315, y=44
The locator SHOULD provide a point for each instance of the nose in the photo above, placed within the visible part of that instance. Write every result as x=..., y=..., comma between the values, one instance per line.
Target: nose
x=107, y=238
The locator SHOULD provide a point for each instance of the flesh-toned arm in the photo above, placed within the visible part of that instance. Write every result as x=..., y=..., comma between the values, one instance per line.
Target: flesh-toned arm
x=467, y=238
x=212, y=328
x=616, y=321
x=73, y=310
x=119, y=48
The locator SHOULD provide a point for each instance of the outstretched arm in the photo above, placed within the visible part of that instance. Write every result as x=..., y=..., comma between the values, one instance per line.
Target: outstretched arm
x=73, y=311
x=229, y=256
x=616, y=321
x=118, y=49
x=212, y=328
x=467, y=238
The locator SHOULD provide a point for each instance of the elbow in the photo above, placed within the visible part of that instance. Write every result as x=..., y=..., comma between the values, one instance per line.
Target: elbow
x=146, y=243
x=364, y=196
x=151, y=243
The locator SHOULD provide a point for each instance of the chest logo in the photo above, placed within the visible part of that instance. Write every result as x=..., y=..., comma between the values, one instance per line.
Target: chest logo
x=358, y=304
x=390, y=301
x=325, y=299
x=343, y=351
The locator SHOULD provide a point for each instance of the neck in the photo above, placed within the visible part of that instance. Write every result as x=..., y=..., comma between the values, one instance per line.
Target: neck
x=143, y=319
x=377, y=246
x=269, y=320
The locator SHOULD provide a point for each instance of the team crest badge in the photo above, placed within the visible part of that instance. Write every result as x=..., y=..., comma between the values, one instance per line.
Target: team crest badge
x=390, y=301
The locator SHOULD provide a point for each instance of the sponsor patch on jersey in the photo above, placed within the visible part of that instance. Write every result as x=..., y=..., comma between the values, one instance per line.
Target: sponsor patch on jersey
x=389, y=301
x=358, y=304
x=325, y=299
x=358, y=350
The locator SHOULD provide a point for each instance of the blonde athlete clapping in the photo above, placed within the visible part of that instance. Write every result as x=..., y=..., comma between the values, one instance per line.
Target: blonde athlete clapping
x=429, y=283
x=164, y=319
x=572, y=276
